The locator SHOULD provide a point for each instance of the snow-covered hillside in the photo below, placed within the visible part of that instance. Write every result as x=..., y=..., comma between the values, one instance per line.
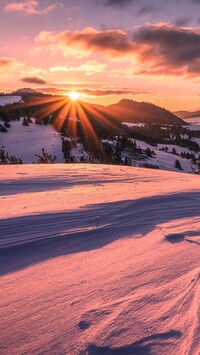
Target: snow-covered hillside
x=27, y=142
x=9, y=100
x=98, y=259
x=166, y=160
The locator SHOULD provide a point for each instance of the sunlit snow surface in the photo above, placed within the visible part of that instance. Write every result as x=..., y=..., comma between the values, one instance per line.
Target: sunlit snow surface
x=99, y=259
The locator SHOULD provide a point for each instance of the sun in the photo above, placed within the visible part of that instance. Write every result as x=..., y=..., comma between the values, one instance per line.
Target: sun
x=74, y=95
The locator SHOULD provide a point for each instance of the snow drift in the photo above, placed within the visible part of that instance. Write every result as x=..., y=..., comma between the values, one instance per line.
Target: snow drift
x=99, y=260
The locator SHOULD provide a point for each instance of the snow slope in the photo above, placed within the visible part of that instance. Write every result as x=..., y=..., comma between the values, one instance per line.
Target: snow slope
x=27, y=142
x=99, y=260
x=9, y=100
x=166, y=160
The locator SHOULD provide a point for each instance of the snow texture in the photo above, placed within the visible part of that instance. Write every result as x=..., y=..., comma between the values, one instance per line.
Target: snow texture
x=99, y=260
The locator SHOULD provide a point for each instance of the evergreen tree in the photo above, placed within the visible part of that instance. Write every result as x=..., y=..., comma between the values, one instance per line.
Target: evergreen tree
x=177, y=165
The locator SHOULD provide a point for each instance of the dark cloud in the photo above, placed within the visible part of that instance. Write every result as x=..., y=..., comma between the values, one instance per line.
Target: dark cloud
x=182, y=21
x=168, y=48
x=34, y=80
x=93, y=92
x=148, y=9
x=107, y=92
x=111, y=42
x=114, y=40
x=119, y=3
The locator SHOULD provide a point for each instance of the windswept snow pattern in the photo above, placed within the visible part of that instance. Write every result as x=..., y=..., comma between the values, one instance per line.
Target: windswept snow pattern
x=99, y=260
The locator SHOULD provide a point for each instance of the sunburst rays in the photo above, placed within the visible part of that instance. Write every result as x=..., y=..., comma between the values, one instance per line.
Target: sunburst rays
x=71, y=116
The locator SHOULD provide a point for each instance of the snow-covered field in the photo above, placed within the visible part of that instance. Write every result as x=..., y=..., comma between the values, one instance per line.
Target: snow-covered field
x=129, y=124
x=166, y=160
x=99, y=259
x=27, y=142
x=194, y=123
x=9, y=100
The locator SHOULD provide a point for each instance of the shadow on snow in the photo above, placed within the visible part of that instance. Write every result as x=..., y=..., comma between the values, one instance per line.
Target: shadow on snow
x=31, y=239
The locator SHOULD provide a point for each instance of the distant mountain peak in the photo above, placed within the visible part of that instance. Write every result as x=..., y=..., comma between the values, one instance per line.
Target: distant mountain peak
x=188, y=114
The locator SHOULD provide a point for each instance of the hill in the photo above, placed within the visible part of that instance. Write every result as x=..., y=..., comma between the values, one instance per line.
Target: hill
x=27, y=91
x=98, y=259
x=188, y=114
x=125, y=110
x=56, y=129
x=26, y=140
x=135, y=112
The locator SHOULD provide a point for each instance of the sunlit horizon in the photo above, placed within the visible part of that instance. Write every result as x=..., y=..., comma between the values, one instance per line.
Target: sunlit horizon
x=105, y=52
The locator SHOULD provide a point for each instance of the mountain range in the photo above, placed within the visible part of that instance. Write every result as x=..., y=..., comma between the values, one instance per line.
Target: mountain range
x=54, y=128
x=125, y=110
x=188, y=114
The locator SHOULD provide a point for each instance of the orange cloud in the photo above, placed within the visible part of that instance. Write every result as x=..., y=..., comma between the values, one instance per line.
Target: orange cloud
x=30, y=7
x=113, y=43
x=5, y=62
x=16, y=69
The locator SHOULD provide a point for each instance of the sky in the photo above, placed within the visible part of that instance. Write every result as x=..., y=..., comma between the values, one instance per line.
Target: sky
x=104, y=49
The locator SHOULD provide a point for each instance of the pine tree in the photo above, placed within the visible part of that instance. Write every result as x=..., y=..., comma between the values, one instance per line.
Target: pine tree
x=177, y=165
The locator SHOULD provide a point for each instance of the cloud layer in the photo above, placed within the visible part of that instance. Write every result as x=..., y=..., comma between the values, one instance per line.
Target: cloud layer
x=168, y=48
x=12, y=68
x=30, y=7
x=83, y=43
x=101, y=92
x=157, y=49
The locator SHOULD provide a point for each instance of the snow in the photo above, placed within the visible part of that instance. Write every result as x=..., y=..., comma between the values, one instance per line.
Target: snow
x=194, y=123
x=98, y=260
x=129, y=124
x=166, y=160
x=9, y=100
x=194, y=127
x=193, y=120
x=25, y=142
x=28, y=141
